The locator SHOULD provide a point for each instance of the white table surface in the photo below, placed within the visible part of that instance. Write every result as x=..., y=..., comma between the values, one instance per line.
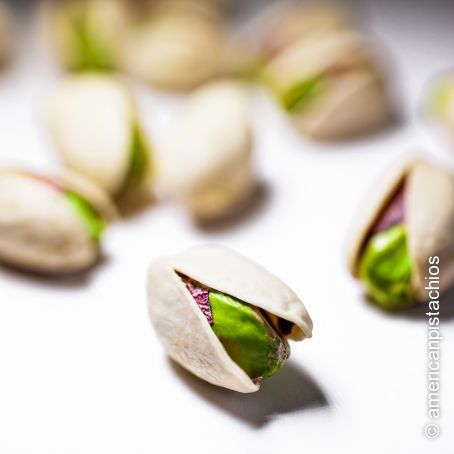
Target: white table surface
x=81, y=370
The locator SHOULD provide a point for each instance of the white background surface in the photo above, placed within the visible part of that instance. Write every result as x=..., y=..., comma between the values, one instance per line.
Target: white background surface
x=81, y=370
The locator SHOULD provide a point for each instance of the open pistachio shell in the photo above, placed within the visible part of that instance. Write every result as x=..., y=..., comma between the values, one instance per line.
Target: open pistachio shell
x=206, y=164
x=6, y=31
x=87, y=33
x=45, y=221
x=95, y=125
x=176, y=49
x=185, y=331
x=329, y=85
x=429, y=220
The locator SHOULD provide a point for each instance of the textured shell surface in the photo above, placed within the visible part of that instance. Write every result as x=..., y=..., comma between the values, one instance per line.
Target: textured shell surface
x=92, y=118
x=184, y=330
x=39, y=229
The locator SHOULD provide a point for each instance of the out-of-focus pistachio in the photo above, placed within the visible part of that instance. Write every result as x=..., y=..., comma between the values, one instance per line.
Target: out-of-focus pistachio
x=329, y=85
x=6, y=33
x=406, y=227
x=223, y=317
x=206, y=163
x=87, y=33
x=51, y=225
x=442, y=102
x=96, y=128
x=176, y=47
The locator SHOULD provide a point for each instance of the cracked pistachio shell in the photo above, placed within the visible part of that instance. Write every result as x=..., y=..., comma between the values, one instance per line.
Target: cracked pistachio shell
x=350, y=98
x=206, y=163
x=86, y=33
x=93, y=120
x=6, y=31
x=40, y=230
x=175, y=49
x=184, y=330
x=429, y=219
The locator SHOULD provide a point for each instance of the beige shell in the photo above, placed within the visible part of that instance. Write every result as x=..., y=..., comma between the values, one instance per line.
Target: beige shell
x=206, y=163
x=6, y=32
x=429, y=208
x=39, y=230
x=182, y=327
x=354, y=98
x=176, y=50
x=92, y=117
x=109, y=18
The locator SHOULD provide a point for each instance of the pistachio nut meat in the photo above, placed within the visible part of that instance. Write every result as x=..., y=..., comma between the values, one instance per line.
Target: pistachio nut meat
x=406, y=226
x=94, y=121
x=329, y=85
x=206, y=163
x=175, y=48
x=86, y=33
x=6, y=33
x=49, y=224
x=441, y=102
x=223, y=317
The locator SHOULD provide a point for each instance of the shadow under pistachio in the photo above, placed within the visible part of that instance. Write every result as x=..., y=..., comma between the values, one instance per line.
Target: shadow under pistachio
x=130, y=205
x=419, y=311
x=289, y=391
x=251, y=207
x=66, y=280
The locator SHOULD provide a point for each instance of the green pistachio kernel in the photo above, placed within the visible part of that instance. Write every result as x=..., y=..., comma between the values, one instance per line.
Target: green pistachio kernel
x=138, y=158
x=386, y=268
x=93, y=52
x=247, y=336
x=300, y=95
x=92, y=220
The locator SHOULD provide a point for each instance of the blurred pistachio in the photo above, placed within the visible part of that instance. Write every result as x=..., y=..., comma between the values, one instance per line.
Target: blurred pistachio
x=441, y=102
x=51, y=225
x=329, y=85
x=87, y=33
x=406, y=222
x=176, y=47
x=97, y=131
x=206, y=163
x=6, y=33
x=223, y=317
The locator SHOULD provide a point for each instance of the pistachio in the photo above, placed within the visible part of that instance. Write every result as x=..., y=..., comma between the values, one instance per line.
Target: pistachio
x=6, y=31
x=87, y=32
x=206, y=163
x=223, y=317
x=176, y=48
x=51, y=224
x=442, y=102
x=325, y=81
x=403, y=227
x=95, y=125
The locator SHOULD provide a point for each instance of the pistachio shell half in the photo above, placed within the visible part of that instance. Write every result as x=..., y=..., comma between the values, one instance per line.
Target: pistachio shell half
x=230, y=325
x=97, y=131
x=206, y=163
x=51, y=224
x=427, y=218
x=329, y=85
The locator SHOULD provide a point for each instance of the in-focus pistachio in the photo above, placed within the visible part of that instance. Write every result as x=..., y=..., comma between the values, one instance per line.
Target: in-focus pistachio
x=176, y=47
x=329, y=85
x=405, y=226
x=97, y=131
x=87, y=33
x=51, y=224
x=223, y=317
x=206, y=163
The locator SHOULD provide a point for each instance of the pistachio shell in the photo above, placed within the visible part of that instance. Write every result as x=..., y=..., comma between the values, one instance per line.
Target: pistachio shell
x=206, y=164
x=429, y=219
x=183, y=328
x=5, y=33
x=175, y=49
x=93, y=119
x=351, y=98
x=39, y=229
